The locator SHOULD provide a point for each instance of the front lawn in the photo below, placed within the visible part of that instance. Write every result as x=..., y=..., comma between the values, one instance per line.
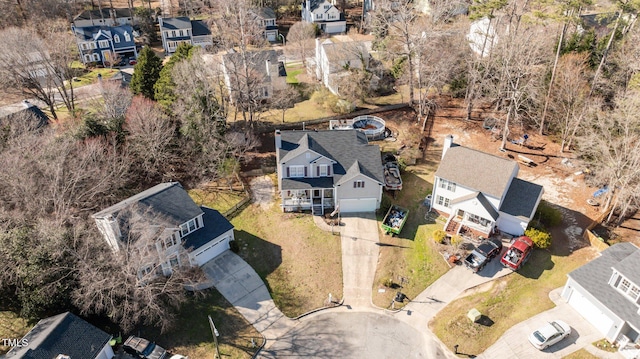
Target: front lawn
x=581, y=354
x=192, y=336
x=300, y=263
x=91, y=77
x=411, y=255
x=11, y=327
x=511, y=300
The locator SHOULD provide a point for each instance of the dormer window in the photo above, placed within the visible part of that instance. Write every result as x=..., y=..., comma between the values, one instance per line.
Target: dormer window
x=116, y=39
x=625, y=286
x=189, y=227
x=127, y=37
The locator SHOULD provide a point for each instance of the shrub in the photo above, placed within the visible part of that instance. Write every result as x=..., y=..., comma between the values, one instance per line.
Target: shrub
x=548, y=215
x=541, y=238
x=343, y=107
x=234, y=246
x=456, y=241
x=388, y=282
x=439, y=236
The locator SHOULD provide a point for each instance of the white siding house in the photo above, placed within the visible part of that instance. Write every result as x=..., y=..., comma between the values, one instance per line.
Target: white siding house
x=333, y=58
x=327, y=170
x=481, y=193
x=325, y=14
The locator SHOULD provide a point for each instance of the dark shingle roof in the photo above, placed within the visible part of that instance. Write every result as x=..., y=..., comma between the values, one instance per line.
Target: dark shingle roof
x=62, y=334
x=349, y=148
x=594, y=278
x=476, y=170
x=265, y=13
x=256, y=60
x=23, y=111
x=95, y=14
x=307, y=183
x=199, y=28
x=521, y=199
x=214, y=225
x=483, y=201
x=169, y=200
x=176, y=23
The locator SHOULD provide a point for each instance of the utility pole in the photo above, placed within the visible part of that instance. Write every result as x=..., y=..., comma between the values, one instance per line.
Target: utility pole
x=215, y=334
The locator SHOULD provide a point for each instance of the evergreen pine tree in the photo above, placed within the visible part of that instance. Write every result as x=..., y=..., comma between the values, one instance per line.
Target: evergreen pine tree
x=146, y=73
x=164, y=86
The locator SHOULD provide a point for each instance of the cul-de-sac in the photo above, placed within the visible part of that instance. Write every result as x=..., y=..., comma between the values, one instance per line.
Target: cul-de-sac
x=357, y=179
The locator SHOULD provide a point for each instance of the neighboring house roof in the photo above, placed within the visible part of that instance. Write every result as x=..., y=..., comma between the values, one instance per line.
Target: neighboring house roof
x=106, y=14
x=15, y=112
x=175, y=23
x=214, y=225
x=256, y=60
x=594, y=278
x=169, y=200
x=346, y=51
x=314, y=4
x=265, y=13
x=348, y=148
x=62, y=334
x=482, y=200
x=521, y=199
x=199, y=28
x=476, y=170
x=91, y=33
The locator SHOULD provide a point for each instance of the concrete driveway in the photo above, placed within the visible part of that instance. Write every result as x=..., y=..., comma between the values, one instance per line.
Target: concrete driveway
x=244, y=289
x=514, y=343
x=360, y=249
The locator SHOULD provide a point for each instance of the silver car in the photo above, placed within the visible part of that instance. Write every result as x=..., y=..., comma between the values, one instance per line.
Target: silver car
x=550, y=334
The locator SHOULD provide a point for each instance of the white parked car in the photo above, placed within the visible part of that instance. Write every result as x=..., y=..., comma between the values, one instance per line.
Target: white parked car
x=550, y=334
x=178, y=356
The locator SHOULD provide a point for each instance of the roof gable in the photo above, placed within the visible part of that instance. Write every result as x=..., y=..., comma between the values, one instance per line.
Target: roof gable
x=62, y=334
x=215, y=225
x=630, y=267
x=481, y=202
x=476, y=170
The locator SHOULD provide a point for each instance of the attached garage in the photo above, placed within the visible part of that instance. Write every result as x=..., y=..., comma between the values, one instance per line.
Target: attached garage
x=512, y=225
x=272, y=36
x=590, y=312
x=211, y=250
x=358, y=205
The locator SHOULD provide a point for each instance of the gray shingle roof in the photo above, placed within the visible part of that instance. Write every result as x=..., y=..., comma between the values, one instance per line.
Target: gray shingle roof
x=483, y=201
x=95, y=14
x=476, y=170
x=630, y=267
x=176, y=23
x=307, y=183
x=256, y=60
x=23, y=111
x=199, y=28
x=352, y=51
x=265, y=13
x=594, y=277
x=62, y=334
x=214, y=225
x=345, y=147
x=169, y=200
x=521, y=199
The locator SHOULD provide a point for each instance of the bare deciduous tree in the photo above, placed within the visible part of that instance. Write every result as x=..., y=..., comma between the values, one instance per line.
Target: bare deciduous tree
x=300, y=40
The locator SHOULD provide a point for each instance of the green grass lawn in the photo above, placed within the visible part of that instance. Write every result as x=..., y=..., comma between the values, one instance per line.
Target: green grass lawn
x=511, y=300
x=216, y=199
x=192, y=336
x=292, y=75
x=11, y=327
x=300, y=263
x=412, y=254
x=92, y=76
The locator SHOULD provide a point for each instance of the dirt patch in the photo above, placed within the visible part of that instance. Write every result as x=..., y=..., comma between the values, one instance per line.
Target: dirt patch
x=262, y=191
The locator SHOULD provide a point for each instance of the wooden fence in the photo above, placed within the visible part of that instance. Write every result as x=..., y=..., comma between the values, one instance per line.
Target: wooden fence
x=596, y=241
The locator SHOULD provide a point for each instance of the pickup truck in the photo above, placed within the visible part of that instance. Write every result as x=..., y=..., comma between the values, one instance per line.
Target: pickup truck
x=516, y=256
x=483, y=254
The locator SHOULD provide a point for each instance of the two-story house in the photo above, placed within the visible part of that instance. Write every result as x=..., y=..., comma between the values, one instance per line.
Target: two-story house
x=327, y=170
x=265, y=75
x=63, y=336
x=104, y=17
x=480, y=193
x=334, y=58
x=176, y=30
x=266, y=19
x=106, y=45
x=176, y=224
x=325, y=14
x=606, y=292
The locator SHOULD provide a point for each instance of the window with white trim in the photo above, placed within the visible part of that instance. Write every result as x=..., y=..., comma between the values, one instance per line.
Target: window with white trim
x=296, y=171
x=103, y=43
x=324, y=170
x=84, y=46
x=477, y=219
x=174, y=261
x=87, y=58
x=96, y=57
x=127, y=37
x=358, y=184
x=189, y=227
x=442, y=201
x=116, y=39
x=634, y=293
x=448, y=185
x=173, y=33
x=627, y=288
x=318, y=16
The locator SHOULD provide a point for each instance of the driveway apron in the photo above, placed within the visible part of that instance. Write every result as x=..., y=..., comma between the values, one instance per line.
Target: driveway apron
x=244, y=289
x=360, y=251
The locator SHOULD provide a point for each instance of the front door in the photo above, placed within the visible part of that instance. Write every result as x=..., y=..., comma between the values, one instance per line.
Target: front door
x=460, y=214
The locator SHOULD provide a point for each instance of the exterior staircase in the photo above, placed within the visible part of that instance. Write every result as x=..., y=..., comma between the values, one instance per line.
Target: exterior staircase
x=452, y=227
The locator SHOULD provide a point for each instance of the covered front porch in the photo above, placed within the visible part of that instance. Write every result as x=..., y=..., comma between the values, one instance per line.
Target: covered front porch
x=465, y=223
x=317, y=200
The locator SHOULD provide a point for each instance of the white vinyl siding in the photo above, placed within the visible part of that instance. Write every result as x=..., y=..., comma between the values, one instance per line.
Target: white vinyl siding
x=443, y=201
x=296, y=171
x=449, y=186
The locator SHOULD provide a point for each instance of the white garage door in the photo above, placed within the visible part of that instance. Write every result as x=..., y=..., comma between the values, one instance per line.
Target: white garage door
x=358, y=205
x=590, y=312
x=211, y=250
x=271, y=36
